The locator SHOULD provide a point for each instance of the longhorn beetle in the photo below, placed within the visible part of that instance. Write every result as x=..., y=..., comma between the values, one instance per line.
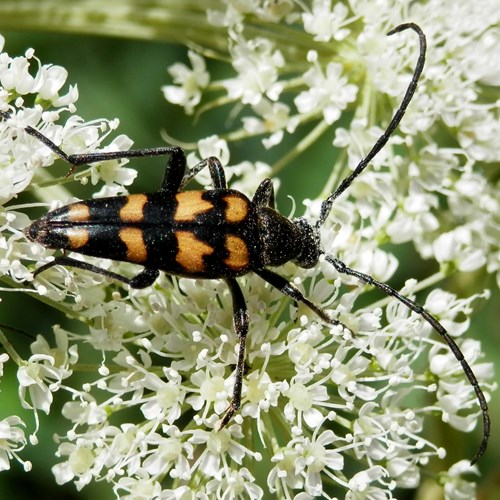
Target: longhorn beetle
x=214, y=234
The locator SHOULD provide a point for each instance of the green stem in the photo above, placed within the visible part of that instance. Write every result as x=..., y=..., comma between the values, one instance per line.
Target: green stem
x=176, y=21
x=4, y=341
x=301, y=146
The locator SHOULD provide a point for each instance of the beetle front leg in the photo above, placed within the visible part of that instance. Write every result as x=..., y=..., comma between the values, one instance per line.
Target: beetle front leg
x=142, y=280
x=294, y=293
x=240, y=320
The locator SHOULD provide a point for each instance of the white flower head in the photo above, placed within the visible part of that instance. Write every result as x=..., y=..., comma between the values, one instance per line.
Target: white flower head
x=257, y=64
x=329, y=92
x=189, y=83
x=326, y=22
x=336, y=409
x=13, y=440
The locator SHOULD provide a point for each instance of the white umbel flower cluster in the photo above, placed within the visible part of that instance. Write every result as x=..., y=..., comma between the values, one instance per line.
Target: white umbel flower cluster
x=326, y=411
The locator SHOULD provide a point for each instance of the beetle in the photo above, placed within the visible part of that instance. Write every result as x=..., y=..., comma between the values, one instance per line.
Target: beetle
x=214, y=234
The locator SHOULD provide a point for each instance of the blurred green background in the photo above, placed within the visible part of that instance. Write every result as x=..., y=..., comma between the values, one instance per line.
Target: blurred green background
x=122, y=78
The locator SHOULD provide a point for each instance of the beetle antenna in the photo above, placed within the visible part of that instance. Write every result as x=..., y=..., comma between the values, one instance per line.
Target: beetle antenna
x=382, y=140
x=439, y=328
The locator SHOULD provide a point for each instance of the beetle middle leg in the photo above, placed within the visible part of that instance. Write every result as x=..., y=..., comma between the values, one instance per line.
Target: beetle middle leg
x=216, y=172
x=240, y=321
x=264, y=195
x=176, y=177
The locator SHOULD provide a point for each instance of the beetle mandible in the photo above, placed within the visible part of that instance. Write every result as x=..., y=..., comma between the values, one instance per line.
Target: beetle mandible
x=214, y=234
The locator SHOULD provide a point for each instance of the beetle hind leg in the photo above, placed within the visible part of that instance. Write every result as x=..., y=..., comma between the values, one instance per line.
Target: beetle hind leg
x=142, y=280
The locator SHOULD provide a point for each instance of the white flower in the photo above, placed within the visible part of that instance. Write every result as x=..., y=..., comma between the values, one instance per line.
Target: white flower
x=212, y=391
x=3, y=359
x=166, y=399
x=300, y=464
x=404, y=471
x=216, y=446
x=456, y=248
x=43, y=373
x=360, y=482
x=80, y=460
x=457, y=487
x=257, y=64
x=261, y=394
x=275, y=118
x=12, y=441
x=191, y=82
x=86, y=411
x=235, y=484
x=113, y=320
x=329, y=92
x=325, y=23
x=315, y=456
x=171, y=453
x=484, y=63
x=301, y=401
x=267, y=10
x=143, y=488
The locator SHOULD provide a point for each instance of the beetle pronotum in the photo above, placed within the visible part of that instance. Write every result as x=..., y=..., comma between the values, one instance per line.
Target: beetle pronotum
x=217, y=233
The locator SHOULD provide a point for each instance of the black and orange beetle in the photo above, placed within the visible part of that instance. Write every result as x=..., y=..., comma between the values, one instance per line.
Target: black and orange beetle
x=217, y=233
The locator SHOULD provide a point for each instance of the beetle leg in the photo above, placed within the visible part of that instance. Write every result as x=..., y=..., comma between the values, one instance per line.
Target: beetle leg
x=240, y=320
x=216, y=172
x=144, y=279
x=264, y=195
x=176, y=165
x=87, y=158
x=174, y=172
x=294, y=293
